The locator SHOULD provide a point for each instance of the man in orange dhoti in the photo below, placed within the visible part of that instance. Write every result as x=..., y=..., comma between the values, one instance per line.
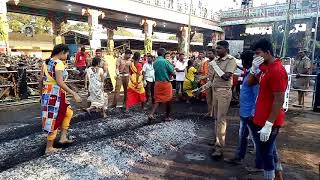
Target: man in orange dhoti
x=163, y=89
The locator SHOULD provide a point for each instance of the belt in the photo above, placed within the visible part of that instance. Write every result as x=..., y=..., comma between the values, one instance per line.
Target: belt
x=221, y=87
x=123, y=75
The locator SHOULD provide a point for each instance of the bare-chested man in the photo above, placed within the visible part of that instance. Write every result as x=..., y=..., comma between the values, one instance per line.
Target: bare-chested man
x=122, y=76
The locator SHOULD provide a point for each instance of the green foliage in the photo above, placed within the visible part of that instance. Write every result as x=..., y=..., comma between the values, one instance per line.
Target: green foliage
x=80, y=26
x=198, y=37
x=2, y=31
x=154, y=36
x=123, y=32
x=172, y=38
x=17, y=21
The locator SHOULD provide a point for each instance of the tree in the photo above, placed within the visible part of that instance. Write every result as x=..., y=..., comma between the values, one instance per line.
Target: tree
x=79, y=26
x=17, y=21
x=123, y=32
x=172, y=38
x=155, y=37
x=198, y=37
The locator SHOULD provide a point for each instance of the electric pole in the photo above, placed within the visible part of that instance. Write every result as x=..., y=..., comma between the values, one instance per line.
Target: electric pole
x=315, y=33
x=286, y=32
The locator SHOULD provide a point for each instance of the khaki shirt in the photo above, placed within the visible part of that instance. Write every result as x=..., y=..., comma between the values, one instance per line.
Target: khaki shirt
x=226, y=64
x=302, y=66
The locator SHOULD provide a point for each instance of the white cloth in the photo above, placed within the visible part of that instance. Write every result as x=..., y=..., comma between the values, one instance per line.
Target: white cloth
x=97, y=96
x=216, y=68
x=180, y=76
x=149, y=72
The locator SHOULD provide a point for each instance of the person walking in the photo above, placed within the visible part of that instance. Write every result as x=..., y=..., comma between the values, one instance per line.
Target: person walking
x=302, y=66
x=81, y=61
x=224, y=66
x=97, y=98
x=136, y=92
x=199, y=61
x=55, y=109
x=269, y=115
x=180, y=68
x=203, y=71
x=122, y=77
x=190, y=83
x=248, y=96
x=148, y=76
x=163, y=88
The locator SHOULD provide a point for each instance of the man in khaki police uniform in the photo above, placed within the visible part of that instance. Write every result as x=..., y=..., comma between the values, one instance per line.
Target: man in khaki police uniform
x=224, y=66
x=302, y=66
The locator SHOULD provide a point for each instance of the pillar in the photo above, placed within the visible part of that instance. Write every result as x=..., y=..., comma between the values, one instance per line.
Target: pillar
x=93, y=20
x=110, y=32
x=182, y=37
x=56, y=28
x=110, y=41
x=148, y=32
x=4, y=27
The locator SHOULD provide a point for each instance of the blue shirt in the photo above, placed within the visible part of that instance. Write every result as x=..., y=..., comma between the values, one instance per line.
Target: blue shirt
x=248, y=96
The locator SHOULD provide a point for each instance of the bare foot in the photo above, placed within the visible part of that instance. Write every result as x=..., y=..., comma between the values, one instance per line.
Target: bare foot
x=151, y=119
x=65, y=141
x=168, y=119
x=208, y=115
x=104, y=115
x=51, y=150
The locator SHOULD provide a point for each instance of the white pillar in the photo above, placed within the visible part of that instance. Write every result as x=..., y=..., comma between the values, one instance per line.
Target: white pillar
x=93, y=20
x=148, y=29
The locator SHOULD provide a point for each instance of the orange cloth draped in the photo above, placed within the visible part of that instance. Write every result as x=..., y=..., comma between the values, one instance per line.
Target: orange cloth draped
x=204, y=72
x=136, y=93
x=162, y=91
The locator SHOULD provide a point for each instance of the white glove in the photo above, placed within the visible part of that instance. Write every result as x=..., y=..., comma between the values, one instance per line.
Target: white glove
x=255, y=65
x=265, y=131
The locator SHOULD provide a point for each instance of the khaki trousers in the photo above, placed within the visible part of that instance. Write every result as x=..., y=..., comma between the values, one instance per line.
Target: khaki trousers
x=120, y=81
x=221, y=98
x=209, y=101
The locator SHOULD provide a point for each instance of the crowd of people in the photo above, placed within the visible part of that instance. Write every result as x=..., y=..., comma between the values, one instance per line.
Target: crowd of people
x=150, y=80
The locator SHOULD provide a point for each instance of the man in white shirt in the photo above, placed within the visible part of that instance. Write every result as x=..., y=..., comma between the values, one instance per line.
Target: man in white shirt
x=148, y=76
x=180, y=68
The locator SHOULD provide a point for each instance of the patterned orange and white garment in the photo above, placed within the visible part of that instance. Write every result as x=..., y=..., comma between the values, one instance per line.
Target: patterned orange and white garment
x=53, y=100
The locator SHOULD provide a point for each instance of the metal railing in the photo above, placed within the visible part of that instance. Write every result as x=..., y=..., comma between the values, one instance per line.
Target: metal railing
x=309, y=89
x=34, y=83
